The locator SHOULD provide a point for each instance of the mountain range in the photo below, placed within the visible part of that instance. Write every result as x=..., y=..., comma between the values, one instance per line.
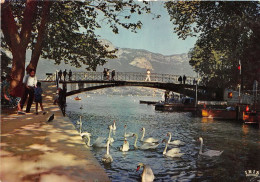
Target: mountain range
x=128, y=60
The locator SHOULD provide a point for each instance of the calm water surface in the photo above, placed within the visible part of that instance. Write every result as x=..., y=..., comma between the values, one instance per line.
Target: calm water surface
x=239, y=142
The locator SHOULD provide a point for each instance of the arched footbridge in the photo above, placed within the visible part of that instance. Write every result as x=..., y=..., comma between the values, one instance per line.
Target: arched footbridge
x=86, y=81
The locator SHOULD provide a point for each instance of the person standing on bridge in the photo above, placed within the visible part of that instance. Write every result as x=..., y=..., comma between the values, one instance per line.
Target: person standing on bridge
x=180, y=80
x=148, y=73
x=64, y=74
x=184, y=79
x=194, y=82
x=113, y=74
x=105, y=74
x=59, y=75
x=70, y=74
x=108, y=76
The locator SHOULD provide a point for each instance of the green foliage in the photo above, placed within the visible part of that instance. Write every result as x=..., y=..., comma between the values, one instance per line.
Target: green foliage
x=5, y=61
x=226, y=31
x=70, y=36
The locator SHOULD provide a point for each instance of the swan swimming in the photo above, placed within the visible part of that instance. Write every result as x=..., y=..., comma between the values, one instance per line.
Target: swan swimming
x=109, y=135
x=175, y=152
x=125, y=146
x=99, y=142
x=114, y=125
x=88, y=143
x=174, y=142
x=147, y=174
x=209, y=153
x=148, y=140
x=145, y=146
x=83, y=134
x=107, y=158
x=129, y=134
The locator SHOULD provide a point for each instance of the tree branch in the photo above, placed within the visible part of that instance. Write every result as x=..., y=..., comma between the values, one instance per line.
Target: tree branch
x=41, y=33
x=27, y=24
x=9, y=27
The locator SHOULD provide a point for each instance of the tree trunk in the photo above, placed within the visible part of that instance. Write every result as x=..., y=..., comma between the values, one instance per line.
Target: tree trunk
x=18, y=43
x=17, y=73
x=41, y=33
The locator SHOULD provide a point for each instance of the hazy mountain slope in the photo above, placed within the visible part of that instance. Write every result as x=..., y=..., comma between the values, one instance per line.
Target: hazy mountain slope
x=129, y=60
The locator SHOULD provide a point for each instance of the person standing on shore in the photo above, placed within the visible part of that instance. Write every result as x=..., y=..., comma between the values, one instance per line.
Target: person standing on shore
x=30, y=82
x=38, y=97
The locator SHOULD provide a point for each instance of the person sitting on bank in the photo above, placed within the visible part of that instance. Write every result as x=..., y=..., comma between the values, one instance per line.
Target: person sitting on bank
x=13, y=101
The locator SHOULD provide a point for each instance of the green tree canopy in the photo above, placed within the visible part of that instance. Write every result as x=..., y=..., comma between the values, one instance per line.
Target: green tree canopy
x=227, y=32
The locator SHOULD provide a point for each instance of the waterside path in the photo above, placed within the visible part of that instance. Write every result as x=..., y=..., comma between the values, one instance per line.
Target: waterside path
x=34, y=150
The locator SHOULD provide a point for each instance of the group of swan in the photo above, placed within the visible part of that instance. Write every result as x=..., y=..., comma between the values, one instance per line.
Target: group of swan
x=148, y=143
x=147, y=174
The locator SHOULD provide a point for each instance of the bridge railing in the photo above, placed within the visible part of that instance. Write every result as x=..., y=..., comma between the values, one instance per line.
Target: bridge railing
x=128, y=76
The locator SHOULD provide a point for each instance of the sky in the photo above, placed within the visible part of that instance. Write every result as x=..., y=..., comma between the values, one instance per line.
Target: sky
x=156, y=35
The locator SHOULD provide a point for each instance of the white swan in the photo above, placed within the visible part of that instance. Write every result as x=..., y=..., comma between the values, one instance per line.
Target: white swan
x=145, y=146
x=125, y=146
x=88, y=143
x=82, y=134
x=147, y=174
x=175, y=152
x=129, y=134
x=148, y=140
x=174, y=142
x=114, y=125
x=109, y=135
x=99, y=142
x=107, y=158
x=209, y=153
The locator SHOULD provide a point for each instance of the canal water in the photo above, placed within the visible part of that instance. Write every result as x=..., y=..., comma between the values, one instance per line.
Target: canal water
x=240, y=142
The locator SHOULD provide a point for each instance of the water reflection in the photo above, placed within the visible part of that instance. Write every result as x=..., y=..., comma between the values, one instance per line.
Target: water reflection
x=240, y=143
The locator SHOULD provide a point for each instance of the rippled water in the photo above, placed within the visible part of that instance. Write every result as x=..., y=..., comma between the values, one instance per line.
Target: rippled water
x=239, y=142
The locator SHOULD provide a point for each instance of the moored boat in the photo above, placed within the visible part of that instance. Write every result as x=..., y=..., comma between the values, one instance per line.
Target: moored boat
x=77, y=98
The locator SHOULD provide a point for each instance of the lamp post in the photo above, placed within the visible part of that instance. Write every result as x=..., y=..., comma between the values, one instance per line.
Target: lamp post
x=240, y=81
x=196, y=95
